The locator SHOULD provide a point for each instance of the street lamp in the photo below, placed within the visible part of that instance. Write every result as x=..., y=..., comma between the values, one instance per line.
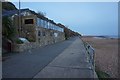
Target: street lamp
x=19, y=24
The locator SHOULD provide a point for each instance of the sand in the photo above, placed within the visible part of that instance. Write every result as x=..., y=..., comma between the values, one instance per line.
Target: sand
x=106, y=54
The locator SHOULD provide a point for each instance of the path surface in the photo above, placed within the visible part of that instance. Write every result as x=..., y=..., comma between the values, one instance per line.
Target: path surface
x=71, y=63
x=66, y=59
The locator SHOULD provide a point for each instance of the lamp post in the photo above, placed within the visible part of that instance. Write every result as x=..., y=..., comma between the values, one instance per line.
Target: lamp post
x=19, y=21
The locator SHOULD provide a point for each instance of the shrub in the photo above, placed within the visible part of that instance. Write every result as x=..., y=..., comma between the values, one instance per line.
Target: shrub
x=31, y=40
x=18, y=41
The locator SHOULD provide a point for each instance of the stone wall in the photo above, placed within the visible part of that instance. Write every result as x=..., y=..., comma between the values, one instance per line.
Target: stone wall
x=24, y=47
x=47, y=36
x=42, y=40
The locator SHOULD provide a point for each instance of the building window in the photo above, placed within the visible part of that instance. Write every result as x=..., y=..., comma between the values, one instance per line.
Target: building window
x=29, y=21
x=39, y=33
x=43, y=33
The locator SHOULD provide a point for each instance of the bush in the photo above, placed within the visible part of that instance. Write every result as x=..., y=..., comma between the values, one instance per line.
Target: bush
x=8, y=30
x=18, y=41
x=31, y=39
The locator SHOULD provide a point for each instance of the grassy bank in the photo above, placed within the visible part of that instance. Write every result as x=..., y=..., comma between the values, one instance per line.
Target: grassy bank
x=101, y=74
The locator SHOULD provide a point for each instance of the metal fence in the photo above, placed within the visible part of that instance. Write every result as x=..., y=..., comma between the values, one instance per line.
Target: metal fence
x=91, y=53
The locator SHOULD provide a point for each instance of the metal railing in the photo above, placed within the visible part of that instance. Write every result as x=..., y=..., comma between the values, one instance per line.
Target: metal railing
x=91, y=53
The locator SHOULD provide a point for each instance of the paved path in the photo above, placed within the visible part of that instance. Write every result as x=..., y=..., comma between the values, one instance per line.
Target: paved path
x=71, y=63
x=66, y=59
x=29, y=63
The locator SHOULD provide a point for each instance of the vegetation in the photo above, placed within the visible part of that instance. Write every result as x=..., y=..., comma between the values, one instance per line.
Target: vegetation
x=102, y=74
x=41, y=13
x=68, y=33
x=8, y=6
x=8, y=30
x=18, y=41
x=31, y=39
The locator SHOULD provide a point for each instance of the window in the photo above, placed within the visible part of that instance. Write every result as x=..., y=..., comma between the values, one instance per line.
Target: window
x=39, y=33
x=42, y=23
x=43, y=33
x=38, y=22
x=48, y=25
x=29, y=21
x=62, y=30
x=45, y=24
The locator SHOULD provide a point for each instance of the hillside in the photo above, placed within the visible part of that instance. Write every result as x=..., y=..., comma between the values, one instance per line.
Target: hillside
x=68, y=32
x=8, y=6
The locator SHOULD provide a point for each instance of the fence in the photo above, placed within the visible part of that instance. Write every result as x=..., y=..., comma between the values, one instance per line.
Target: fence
x=91, y=53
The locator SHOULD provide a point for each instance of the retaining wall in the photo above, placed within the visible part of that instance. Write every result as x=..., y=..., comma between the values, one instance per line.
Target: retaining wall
x=24, y=47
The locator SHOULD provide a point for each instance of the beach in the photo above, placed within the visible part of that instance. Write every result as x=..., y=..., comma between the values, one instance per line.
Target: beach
x=106, y=54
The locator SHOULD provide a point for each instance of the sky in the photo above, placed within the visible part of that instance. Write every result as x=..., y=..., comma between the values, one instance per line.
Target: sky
x=87, y=18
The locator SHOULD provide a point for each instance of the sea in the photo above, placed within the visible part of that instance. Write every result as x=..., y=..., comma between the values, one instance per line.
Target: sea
x=115, y=36
x=108, y=36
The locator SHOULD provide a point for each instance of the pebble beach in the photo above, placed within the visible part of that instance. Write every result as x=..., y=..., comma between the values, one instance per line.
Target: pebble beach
x=106, y=54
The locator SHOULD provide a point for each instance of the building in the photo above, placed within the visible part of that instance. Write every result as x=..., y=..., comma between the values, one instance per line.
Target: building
x=38, y=29
x=35, y=27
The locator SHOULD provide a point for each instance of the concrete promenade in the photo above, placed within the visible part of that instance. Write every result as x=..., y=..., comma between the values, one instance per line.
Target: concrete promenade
x=71, y=63
x=67, y=59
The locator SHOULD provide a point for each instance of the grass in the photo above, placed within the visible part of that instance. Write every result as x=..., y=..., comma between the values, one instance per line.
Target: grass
x=101, y=75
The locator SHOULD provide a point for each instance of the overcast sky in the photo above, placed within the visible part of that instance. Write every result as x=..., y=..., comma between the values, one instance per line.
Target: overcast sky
x=87, y=18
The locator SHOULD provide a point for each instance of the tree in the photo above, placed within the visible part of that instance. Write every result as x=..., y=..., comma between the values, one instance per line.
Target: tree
x=8, y=30
x=8, y=6
x=41, y=13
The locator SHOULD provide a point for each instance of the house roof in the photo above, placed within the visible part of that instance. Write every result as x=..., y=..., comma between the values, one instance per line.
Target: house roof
x=12, y=12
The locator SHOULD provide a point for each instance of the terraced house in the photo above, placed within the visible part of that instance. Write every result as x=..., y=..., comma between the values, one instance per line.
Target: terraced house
x=36, y=28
